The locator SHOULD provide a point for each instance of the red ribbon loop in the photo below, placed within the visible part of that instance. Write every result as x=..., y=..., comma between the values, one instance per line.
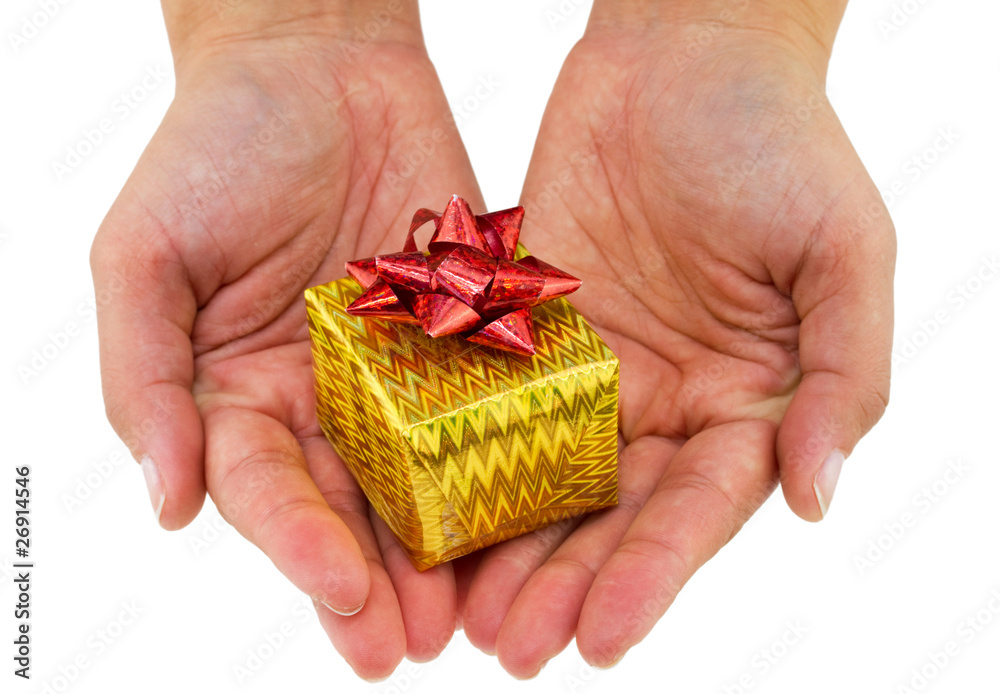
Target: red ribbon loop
x=468, y=283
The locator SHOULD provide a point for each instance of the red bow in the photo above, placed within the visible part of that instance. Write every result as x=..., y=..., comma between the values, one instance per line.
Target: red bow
x=468, y=283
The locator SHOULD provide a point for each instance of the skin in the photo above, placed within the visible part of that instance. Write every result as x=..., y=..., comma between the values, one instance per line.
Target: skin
x=204, y=347
x=736, y=258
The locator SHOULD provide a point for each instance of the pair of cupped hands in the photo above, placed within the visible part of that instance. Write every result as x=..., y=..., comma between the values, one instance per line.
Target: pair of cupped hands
x=734, y=254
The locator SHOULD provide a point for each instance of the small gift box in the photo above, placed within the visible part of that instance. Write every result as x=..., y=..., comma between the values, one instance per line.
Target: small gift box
x=462, y=442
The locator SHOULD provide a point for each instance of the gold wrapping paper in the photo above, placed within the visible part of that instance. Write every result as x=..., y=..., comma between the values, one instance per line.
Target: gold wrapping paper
x=459, y=446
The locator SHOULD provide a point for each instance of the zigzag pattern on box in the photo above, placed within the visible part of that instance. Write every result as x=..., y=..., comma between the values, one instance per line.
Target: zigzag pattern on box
x=486, y=445
x=355, y=422
x=502, y=460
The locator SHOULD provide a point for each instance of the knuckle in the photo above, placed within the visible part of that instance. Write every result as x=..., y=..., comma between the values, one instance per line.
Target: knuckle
x=244, y=492
x=872, y=402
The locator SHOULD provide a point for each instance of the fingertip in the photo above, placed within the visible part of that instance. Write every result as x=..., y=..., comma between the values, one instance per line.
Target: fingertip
x=165, y=433
x=600, y=650
x=378, y=664
x=606, y=661
x=427, y=599
x=543, y=619
x=492, y=591
x=809, y=491
x=181, y=511
x=605, y=619
x=501, y=575
x=372, y=641
x=180, y=518
x=823, y=424
x=521, y=663
x=346, y=583
x=464, y=569
x=803, y=496
x=428, y=650
x=177, y=448
x=482, y=618
x=343, y=612
x=525, y=669
x=378, y=669
x=600, y=654
x=154, y=485
x=429, y=627
x=825, y=482
x=351, y=593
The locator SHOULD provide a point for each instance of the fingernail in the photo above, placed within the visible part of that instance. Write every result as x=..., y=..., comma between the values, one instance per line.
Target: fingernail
x=154, y=484
x=614, y=661
x=533, y=675
x=342, y=613
x=826, y=480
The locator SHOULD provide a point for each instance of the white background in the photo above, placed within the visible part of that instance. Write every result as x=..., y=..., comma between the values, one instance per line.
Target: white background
x=204, y=605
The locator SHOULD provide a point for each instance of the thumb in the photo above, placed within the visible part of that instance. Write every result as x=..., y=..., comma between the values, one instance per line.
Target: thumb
x=145, y=309
x=843, y=294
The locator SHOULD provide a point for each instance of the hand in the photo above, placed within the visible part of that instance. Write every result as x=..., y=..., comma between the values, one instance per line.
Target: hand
x=738, y=259
x=284, y=154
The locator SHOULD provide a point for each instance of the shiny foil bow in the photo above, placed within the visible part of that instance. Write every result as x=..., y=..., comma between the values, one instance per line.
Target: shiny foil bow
x=468, y=282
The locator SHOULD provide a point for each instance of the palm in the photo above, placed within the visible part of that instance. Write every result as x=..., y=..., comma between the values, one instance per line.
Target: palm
x=262, y=180
x=700, y=194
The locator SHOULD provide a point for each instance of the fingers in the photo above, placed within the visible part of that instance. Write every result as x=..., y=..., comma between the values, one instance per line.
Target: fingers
x=258, y=477
x=407, y=612
x=372, y=641
x=714, y=483
x=499, y=577
x=843, y=294
x=145, y=309
x=464, y=569
x=543, y=618
x=427, y=599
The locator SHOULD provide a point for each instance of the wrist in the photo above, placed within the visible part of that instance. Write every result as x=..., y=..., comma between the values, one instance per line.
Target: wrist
x=807, y=27
x=195, y=26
